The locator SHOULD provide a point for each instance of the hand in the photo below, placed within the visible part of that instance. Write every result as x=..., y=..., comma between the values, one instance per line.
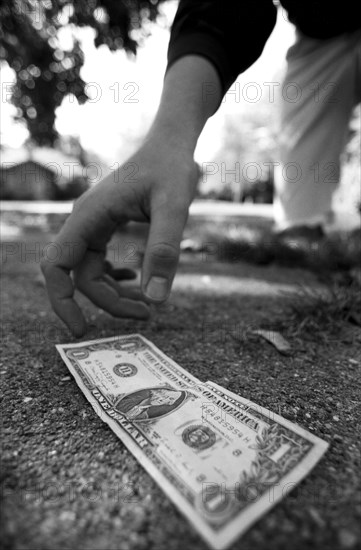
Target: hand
x=160, y=191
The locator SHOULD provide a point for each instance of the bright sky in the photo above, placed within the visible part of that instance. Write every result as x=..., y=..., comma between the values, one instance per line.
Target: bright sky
x=125, y=92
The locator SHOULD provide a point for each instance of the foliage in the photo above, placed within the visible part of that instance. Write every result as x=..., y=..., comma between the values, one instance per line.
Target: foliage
x=247, y=153
x=348, y=193
x=46, y=73
x=324, y=310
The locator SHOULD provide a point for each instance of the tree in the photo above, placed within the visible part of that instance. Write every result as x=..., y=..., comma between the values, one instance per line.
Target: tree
x=242, y=167
x=45, y=73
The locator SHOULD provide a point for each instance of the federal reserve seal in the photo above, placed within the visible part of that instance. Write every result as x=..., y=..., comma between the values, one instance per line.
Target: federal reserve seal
x=125, y=370
x=199, y=437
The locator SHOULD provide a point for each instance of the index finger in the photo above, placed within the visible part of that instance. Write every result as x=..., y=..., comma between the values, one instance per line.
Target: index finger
x=89, y=226
x=59, y=283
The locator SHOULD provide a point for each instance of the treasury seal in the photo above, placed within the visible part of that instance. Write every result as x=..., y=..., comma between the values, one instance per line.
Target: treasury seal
x=125, y=370
x=199, y=437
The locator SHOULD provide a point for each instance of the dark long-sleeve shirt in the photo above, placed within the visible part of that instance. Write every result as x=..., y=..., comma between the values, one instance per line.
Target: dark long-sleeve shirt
x=232, y=33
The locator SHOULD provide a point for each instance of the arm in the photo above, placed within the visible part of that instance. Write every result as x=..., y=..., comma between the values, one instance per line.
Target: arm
x=161, y=192
x=206, y=39
x=231, y=34
x=185, y=105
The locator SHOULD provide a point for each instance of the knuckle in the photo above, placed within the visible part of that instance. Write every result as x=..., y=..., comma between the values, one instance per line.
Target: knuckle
x=164, y=252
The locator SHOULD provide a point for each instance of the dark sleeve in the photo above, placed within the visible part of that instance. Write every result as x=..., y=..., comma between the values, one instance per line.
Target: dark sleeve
x=230, y=33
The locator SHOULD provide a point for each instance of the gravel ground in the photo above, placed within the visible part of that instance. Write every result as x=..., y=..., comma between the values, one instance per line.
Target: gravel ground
x=68, y=483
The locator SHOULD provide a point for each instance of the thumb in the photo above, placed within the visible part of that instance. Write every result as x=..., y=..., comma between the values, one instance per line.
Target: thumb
x=162, y=251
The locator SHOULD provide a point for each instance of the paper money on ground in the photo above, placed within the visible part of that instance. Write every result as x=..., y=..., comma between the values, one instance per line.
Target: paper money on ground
x=221, y=459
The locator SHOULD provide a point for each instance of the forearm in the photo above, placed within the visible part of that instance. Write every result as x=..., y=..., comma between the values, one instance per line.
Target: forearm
x=191, y=93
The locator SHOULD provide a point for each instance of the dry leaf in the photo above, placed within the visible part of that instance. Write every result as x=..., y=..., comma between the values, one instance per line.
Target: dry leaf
x=276, y=339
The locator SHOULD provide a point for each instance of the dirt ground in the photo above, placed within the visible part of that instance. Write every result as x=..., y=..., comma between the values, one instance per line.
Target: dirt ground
x=69, y=484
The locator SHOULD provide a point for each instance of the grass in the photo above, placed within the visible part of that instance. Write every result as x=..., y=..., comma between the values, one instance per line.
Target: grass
x=326, y=310
x=61, y=463
x=338, y=251
x=236, y=242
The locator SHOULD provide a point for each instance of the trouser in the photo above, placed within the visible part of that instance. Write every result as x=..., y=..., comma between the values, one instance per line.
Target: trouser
x=322, y=85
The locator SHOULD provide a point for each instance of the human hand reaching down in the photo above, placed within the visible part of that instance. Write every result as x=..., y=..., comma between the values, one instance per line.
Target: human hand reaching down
x=160, y=192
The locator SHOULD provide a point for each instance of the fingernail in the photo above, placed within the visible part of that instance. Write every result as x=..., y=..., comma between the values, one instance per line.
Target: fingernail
x=157, y=288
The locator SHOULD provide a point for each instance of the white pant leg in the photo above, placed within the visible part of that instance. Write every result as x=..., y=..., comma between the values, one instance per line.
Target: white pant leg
x=321, y=87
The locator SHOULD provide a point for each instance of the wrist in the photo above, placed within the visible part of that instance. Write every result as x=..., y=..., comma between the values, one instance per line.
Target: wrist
x=184, y=107
x=173, y=135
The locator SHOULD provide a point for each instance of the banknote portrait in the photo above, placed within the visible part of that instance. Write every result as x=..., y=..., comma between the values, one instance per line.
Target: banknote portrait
x=150, y=403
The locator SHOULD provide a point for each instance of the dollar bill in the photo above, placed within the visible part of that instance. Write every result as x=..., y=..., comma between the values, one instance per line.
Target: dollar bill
x=223, y=461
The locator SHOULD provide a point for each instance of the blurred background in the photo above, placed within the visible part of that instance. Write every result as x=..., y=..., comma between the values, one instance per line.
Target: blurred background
x=81, y=82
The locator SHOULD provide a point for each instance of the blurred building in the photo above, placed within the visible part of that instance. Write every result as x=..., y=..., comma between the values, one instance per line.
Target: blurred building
x=27, y=180
x=40, y=174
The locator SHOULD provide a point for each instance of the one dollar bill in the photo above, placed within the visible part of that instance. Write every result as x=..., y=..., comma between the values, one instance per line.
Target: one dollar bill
x=222, y=460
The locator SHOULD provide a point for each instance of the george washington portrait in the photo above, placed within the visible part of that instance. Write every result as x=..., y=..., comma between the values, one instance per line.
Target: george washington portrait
x=150, y=403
